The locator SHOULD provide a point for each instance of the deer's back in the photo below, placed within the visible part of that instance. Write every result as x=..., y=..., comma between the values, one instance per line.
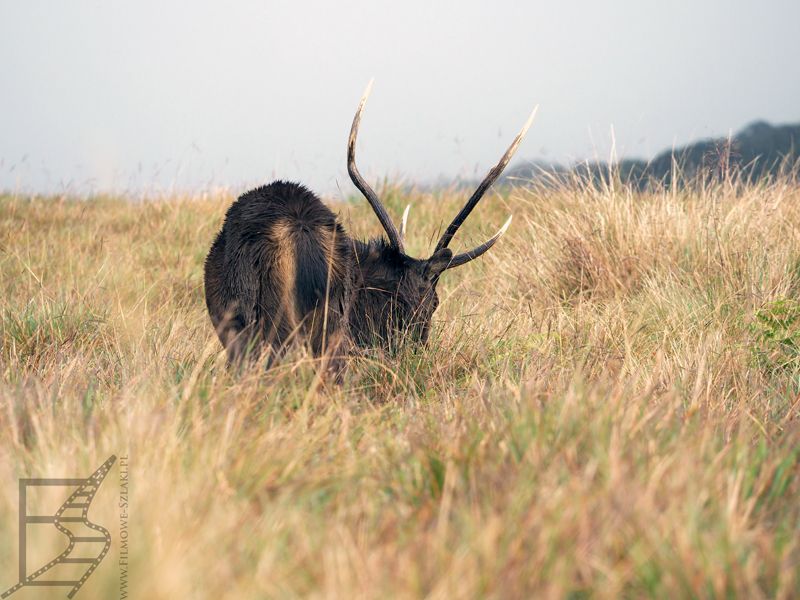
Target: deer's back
x=279, y=257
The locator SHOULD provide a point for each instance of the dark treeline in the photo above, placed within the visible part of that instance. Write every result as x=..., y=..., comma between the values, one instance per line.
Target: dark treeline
x=758, y=151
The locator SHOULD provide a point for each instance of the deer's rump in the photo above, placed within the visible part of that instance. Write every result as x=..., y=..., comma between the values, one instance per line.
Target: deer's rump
x=278, y=269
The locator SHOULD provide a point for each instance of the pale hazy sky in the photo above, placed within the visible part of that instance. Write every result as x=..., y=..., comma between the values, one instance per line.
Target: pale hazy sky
x=145, y=95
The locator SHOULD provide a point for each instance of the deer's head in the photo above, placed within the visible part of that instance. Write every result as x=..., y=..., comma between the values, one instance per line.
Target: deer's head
x=399, y=293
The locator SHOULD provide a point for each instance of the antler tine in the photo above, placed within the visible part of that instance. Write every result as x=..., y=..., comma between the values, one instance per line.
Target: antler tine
x=395, y=239
x=460, y=259
x=403, y=223
x=490, y=178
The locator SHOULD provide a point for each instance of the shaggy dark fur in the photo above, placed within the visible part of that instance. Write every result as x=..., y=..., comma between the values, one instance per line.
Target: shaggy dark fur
x=282, y=268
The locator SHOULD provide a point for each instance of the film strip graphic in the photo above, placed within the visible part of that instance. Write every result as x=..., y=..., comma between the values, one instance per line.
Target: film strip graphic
x=79, y=501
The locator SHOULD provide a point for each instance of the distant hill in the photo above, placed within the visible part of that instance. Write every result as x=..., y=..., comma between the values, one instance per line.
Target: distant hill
x=757, y=151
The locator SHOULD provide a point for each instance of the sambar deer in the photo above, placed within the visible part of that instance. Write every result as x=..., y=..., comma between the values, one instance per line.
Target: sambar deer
x=283, y=268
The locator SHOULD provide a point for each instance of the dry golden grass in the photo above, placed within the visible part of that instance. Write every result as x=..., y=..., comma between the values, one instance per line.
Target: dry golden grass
x=608, y=407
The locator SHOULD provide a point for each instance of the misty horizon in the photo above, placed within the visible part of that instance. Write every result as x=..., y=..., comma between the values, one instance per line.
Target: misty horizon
x=190, y=96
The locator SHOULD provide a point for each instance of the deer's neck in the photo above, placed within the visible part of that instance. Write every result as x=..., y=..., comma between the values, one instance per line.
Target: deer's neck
x=374, y=313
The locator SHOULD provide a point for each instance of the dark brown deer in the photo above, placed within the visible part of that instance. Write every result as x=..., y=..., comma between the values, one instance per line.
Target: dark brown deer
x=283, y=268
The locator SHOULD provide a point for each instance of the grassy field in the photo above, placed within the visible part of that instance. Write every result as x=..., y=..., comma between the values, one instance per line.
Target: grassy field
x=608, y=406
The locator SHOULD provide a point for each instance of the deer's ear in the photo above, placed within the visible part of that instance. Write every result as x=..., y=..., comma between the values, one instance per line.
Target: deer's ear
x=438, y=263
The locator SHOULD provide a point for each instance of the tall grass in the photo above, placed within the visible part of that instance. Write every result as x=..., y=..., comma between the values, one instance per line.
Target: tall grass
x=608, y=406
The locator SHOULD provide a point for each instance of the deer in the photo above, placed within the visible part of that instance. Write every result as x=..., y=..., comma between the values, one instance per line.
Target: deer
x=283, y=268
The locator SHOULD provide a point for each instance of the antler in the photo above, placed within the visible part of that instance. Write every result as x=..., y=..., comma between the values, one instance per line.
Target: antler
x=460, y=259
x=490, y=178
x=395, y=239
x=404, y=223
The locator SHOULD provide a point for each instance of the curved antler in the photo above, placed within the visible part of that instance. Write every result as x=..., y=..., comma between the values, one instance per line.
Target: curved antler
x=394, y=237
x=465, y=257
x=490, y=178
